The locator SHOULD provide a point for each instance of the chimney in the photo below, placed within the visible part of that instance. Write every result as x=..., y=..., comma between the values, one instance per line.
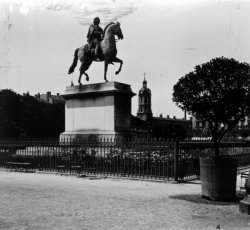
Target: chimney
x=167, y=116
x=48, y=96
x=174, y=117
x=26, y=94
x=185, y=114
x=37, y=96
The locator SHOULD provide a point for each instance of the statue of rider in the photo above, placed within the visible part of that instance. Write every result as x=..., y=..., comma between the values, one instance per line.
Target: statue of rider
x=94, y=35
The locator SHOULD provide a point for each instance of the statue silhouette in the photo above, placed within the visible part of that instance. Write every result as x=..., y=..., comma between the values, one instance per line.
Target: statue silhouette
x=107, y=52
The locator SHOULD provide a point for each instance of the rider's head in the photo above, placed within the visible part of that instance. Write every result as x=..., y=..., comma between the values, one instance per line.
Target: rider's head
x=96, y=20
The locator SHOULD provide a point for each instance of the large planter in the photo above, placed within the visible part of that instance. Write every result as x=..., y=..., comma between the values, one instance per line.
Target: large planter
x=218, y=178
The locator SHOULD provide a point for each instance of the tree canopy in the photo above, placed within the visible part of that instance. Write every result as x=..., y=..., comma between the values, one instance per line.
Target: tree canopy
x=216, y=93
x=24, y=116
x=9, y=111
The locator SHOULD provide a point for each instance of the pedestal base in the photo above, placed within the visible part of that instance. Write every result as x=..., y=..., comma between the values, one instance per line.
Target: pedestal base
x=97, y=110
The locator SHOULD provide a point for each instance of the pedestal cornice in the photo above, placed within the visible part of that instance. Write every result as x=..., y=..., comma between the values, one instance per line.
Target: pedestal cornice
x=105, y=88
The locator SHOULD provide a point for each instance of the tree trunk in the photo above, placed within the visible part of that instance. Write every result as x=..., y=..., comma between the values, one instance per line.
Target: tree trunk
x=216, y=149
x=216, y=140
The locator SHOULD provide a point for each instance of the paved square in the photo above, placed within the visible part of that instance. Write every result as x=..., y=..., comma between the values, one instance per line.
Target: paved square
x=49, y=201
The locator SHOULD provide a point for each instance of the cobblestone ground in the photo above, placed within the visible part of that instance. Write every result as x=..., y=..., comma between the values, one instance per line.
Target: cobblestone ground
x=42, y=201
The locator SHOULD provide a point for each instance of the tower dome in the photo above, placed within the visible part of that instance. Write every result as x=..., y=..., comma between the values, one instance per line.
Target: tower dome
x=144, y=89
x=144, y=102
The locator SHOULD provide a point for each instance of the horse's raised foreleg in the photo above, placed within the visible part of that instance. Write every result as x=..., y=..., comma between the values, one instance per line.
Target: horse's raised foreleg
x=74, y=64
x=116, y=59
x=105, y=70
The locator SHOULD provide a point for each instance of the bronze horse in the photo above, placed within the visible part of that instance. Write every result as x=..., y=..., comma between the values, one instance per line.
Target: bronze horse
x=107, y=52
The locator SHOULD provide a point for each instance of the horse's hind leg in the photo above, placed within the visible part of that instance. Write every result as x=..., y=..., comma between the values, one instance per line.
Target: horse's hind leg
x=80, y=76
x=82, y=71
x=74, y=64
x=105, y=70
x=121, y=63
x=87, y=76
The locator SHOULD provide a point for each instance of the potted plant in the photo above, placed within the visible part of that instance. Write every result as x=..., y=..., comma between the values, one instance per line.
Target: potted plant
x=217, y=93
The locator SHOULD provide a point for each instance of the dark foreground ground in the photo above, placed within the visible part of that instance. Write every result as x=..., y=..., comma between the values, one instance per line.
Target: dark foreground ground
x=48, y=201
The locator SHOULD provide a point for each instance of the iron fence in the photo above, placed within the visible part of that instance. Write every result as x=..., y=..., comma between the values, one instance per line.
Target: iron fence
x=136, y=158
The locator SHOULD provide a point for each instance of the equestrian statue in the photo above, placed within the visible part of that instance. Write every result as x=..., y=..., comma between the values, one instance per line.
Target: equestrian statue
x=101, y=47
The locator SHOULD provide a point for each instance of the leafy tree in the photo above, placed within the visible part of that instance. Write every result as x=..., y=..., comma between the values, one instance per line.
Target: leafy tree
x=24, y=116
x=217, y=93
x=40, y=119
x=10, y=103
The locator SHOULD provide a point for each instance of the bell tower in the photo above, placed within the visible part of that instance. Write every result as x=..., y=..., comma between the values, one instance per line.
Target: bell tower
x=144, y=102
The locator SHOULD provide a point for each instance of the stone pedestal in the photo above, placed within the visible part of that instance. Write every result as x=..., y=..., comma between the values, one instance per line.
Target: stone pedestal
x=102, y=109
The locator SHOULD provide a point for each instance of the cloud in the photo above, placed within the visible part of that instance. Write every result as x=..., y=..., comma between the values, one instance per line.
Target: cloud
x=24, y=9
x=191, y=49
x=83, y=10
x=86, y=10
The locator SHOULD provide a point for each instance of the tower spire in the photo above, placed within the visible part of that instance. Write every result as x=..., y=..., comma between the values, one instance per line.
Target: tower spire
x=144, y=83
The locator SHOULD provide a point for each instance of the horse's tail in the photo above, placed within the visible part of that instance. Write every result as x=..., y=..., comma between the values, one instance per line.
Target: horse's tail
x=74, y=64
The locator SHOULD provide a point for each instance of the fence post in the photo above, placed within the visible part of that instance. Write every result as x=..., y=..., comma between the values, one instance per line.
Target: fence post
x=176, y=159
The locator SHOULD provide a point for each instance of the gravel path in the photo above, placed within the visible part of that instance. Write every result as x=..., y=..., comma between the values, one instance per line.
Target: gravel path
x=44, y=201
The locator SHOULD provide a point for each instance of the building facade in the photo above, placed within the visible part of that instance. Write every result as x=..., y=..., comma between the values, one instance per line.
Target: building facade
x=146, y=124
x=242, y=128
x=49, y=98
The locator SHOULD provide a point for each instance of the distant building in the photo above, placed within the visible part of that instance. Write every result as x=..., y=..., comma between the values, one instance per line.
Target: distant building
x=146, y=123
x=243, y=125
x=144, y=102
x=49, y=98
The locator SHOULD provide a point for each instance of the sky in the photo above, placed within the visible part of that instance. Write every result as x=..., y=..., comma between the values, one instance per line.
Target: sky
x=163, y=41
